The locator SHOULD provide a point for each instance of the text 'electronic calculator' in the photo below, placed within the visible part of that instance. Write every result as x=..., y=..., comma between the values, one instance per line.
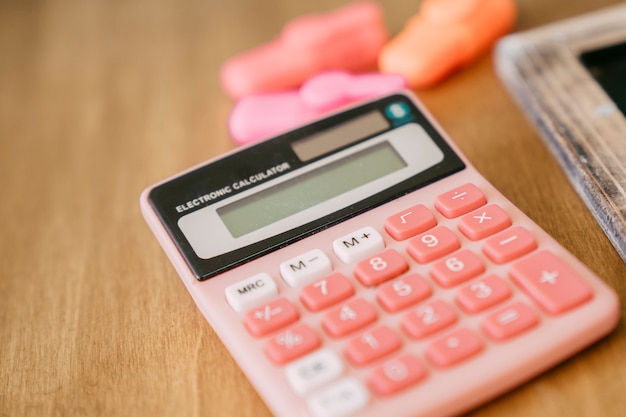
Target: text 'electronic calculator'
x=361, y=266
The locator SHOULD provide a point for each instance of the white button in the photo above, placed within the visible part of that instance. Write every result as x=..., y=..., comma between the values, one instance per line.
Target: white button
x=340, y=399
x=306, y=268
x=358, y=245
x=250, y=292
x=313, y=370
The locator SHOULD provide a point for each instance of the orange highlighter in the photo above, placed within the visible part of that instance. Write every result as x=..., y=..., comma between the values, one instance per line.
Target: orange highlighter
x=445, y=36
x=348, y=38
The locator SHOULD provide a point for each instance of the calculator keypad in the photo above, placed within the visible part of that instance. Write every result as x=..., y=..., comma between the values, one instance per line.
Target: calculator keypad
x=405, y=280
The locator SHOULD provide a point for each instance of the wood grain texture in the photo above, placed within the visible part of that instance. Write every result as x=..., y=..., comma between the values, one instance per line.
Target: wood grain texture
x=99, y=99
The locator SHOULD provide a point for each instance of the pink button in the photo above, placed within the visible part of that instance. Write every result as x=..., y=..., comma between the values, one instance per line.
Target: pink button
x=403, y=292
x=372, y=345
x=509, y=245
x=292, y=344
x=380, y=268
x=270, y=317
x=433, y=245
x=428, y=319
x=482, y=294
x=457, y=268
x=484, y=222
x=326, y=292
x=410, y=222
x=460, y=200
x=510, y=321
x=349, y=318
x=397, y=374
x=550, y=282
x=453, y=348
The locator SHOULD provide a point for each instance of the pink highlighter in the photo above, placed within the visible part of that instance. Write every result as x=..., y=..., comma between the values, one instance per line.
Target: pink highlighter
x=259, y=116
x=349, y=38
x=444, y=36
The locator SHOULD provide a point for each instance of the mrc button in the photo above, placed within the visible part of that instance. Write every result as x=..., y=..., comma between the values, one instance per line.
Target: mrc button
x=245, y=294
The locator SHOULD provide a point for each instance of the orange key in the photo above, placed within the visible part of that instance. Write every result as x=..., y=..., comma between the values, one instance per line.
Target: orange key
x=483, y=293
x=270, y=317
x=509, y=245
x=326, y=292
x=484, y=222
x=372, y=345
x=397, y=374
x=510, y=321
x=444, y=36
x=454, y=348
x=349, y=318
x=380, y=268
x=459, y=267
x=410, y=222
x=403, y=292
x=433, y=244
x=550, y=282
x=429, y=319
x=460, y=200
x=291, y=344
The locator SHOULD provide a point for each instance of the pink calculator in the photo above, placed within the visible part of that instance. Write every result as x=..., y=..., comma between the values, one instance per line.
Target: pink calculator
x=360, y=266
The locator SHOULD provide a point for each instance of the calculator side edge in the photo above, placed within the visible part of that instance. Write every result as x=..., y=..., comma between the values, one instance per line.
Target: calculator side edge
x=163, y=237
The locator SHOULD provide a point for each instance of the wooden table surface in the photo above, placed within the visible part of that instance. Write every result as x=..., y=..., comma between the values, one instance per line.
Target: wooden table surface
x=99, y=99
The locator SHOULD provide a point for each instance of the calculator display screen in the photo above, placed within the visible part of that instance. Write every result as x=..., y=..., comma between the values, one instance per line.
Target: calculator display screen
x=305, y=191
x=266, y=196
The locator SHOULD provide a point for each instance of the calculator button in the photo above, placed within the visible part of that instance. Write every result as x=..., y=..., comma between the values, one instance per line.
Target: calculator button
x=484, y=222
x=457, y=268
x=291, y=344
x=410, y=222
x=358, y=245
x=380, y=268
x=510, y=321
x=305, y=268
x=509, y=245
x=372, y=345
x=326, y=292
x=342, y=398
x=550, y=282
x=483, y=293
x=428, y=319
x=313, y=370
x=460, y=200
x=270, y=317
x=349, y=317
x=397, y=374
x=453, y=348
x=433, y=245
x=403, y=292
x=251, y=292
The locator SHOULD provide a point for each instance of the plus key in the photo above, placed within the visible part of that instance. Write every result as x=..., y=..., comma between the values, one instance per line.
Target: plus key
x=550, y=282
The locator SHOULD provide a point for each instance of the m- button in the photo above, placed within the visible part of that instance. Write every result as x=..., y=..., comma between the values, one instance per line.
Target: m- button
x=306, y=268
x=250, y=292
